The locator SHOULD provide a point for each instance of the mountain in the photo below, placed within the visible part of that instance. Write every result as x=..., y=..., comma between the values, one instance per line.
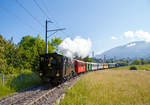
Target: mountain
x=133, y=50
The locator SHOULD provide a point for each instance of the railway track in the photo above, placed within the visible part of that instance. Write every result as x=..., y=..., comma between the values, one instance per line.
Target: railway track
x=37, y=95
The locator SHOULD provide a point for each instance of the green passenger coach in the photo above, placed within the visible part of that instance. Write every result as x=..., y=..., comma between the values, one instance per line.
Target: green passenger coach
x=88, y=66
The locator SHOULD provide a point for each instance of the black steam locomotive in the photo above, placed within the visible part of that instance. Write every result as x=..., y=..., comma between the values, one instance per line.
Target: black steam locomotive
x=56, y=68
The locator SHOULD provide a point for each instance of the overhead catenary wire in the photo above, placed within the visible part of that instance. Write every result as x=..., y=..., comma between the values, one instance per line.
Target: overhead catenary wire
x=50, y=17
x=29, y=13
x=17, y=17
x=48, y=12
x=42, y=10
x=46, y=8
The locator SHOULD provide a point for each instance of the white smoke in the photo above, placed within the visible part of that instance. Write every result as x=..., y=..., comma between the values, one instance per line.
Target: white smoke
x=78, y=47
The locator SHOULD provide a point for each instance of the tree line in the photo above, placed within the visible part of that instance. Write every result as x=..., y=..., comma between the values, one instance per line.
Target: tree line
x=25, y=54
x=126, y=62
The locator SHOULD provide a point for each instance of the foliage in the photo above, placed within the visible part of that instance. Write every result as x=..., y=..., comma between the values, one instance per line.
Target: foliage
x=140, y=62
x=5, y=90
x=25, y=54
x=144, y=61
x=123, y=63
x=133, y=68
x=30, y=48
x=17, y=61
x=16, y=82
x=55, y=42
x=139, y=67
x=88, y=59
x=10, y=52
x=2, y=54
x=28, y=51
x=137, y=62
x=23, y=80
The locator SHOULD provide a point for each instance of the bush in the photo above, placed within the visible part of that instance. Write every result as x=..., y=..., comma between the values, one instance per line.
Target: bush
x=24, y=80
x=133, y=68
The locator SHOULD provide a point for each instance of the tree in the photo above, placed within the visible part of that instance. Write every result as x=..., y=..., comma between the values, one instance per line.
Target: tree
x=28, y=51
x=137, y=62
x=24, y=55
x=88, y=59
x=30, y=48
x=144, y=61
x=2, y=54
x=10, y=52
x=55, y=42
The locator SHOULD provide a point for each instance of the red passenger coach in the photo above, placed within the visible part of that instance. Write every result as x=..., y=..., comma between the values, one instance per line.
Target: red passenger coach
x=79, y=66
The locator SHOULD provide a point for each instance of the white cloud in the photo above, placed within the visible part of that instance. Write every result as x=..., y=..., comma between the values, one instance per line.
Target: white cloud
x=114, y=38
x=138, y=35
x=129, y=34
x=143, y=35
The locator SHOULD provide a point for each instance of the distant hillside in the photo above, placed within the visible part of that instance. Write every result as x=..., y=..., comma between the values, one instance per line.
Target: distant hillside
x=133, y=50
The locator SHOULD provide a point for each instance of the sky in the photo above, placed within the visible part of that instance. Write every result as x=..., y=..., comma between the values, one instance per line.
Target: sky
x=107, y=23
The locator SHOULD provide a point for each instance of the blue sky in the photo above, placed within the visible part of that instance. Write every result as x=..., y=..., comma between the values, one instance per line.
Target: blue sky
x=108, y=23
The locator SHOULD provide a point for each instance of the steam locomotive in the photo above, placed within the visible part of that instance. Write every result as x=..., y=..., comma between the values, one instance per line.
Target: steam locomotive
x=56, y=68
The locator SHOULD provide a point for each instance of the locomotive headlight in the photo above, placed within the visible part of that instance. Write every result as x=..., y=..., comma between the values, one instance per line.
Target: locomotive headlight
x=57, y=74
x=41, y=74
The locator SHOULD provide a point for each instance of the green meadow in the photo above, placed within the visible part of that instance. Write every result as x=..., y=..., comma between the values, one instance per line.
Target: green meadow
x=110, y=87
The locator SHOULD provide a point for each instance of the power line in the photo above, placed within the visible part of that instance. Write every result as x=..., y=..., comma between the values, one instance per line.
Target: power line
x=55, y=22
x=45, y=6
x=50, y=17
x=16, y=17
x=29, y=13
x=42, y=10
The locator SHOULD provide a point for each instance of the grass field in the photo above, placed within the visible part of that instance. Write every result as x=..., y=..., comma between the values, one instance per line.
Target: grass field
x=139, y=67
x=18, y=82
x=111, y=87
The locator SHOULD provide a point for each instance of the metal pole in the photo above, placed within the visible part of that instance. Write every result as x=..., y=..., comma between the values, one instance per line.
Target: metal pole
x=46, y=34
x=3, y=80
x=104, y=58
x=46, y=38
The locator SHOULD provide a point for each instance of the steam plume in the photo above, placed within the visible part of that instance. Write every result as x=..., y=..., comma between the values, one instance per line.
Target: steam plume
x=78, y=47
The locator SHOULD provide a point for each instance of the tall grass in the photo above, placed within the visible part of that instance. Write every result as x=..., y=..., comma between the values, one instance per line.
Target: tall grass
x=110, y=88
x=16, y=82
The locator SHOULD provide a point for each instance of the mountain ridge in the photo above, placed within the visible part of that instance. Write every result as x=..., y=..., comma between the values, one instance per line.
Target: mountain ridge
x=132, y=50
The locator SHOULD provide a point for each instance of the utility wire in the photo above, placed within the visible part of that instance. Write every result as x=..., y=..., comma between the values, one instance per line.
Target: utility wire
x=46, y=8
x=16, y=17
x=29, y=13
x=42, y=10
x=55, y=22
